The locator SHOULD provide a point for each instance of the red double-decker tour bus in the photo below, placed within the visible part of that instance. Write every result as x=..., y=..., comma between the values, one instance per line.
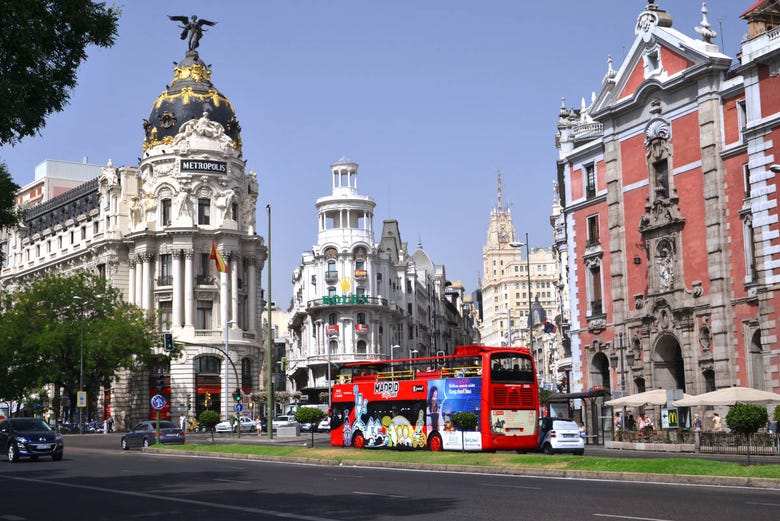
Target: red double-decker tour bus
x=410, y=403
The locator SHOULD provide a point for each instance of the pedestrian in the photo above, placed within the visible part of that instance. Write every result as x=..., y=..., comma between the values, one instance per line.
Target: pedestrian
x=717, y=426
x=617, y=423
x=696, y=423
x=259, y=425
x=631, y=423
x=182, y=422
x=110, y=424
x=583, y=432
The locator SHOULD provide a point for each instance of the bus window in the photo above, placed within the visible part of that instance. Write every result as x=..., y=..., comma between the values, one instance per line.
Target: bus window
x=511, y=368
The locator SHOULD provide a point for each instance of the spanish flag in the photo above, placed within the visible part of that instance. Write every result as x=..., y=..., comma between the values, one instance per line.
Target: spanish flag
x=219, y=262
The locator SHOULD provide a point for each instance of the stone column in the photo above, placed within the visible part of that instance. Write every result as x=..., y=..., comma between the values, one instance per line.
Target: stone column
x=146, y=295
x=139, y=277
x=131, y=280
x=189, y=305
x=251, y=292
x=176, y=288
x=234, y=286
x=224, y=297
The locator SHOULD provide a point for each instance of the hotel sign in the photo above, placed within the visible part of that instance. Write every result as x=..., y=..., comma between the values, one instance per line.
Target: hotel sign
x=344, y=299
x=203, y=165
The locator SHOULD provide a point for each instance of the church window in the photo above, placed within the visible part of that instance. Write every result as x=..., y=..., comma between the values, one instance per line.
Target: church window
x=593, y=230
x=590, y=181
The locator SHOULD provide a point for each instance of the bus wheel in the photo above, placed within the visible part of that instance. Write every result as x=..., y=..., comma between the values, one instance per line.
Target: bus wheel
x=358, y=441
x=434, y=443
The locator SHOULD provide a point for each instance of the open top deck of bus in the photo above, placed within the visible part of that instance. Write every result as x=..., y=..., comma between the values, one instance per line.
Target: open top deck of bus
x=513, y=363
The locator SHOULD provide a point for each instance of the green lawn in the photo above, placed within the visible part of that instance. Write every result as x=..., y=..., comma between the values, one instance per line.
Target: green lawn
x=679, y=465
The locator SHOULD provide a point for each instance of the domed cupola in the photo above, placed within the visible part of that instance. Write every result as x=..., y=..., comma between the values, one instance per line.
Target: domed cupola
x=190, y=95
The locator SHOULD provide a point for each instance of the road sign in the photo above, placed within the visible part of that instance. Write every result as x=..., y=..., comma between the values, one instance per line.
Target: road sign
x=81, y=398
x=239, y=407
x=158, y=401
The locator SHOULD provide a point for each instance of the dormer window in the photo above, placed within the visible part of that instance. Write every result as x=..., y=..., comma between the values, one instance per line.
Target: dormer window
x=652, y=62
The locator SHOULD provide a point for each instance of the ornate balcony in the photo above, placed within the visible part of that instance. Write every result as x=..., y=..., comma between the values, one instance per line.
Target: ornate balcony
x=331, y=276
x=204, y=280
x=361, y=329
x=165, y=280
x=360, y=274
x=332, y=330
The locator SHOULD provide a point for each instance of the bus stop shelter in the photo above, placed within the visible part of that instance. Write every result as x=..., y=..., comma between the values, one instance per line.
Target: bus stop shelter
x=592, y=405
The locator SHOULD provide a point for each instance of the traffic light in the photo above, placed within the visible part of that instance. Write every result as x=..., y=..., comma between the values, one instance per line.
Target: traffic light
x=168, y=341
x=284, y=363
x=237, y=395
x=207, y=401
x=160, y=383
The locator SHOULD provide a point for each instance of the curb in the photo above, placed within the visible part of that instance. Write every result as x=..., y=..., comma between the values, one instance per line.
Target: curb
x=678, y=479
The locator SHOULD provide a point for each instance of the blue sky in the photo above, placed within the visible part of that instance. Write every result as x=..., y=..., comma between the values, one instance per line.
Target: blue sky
x=430, y=97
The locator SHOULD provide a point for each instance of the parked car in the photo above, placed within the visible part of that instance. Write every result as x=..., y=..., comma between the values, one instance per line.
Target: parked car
x=324, y=425
x=284, y=421
x=308, y=427
x=560, y=435
x=145, y=433
x=247, y=425
x=29, y=438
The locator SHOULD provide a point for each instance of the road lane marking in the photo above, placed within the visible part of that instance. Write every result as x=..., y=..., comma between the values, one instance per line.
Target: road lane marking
x=631, y=517
x=251, y=510
x=510, y=486
x=762, y=504
x=394, y=496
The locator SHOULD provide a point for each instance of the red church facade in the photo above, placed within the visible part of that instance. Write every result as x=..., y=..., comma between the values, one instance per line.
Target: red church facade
x=668, y=183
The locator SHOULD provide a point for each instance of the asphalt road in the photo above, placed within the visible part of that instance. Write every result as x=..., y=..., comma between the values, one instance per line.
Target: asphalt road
x=97, y=481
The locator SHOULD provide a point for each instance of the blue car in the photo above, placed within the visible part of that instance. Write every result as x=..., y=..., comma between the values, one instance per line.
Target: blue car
x=145, y=434
x=29, y=438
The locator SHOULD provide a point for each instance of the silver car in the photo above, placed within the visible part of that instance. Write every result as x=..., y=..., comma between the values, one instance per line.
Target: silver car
x=560, y=435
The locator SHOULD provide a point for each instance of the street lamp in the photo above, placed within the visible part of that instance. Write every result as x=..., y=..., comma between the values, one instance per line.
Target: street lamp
x=413, y=353
x=613, y=361
x=227, y=373
x=392, y=357
x=81, y=363
x=528, y=279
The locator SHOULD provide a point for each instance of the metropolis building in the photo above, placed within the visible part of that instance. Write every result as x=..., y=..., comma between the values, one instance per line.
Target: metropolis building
x=149, y=229
x=355, y=298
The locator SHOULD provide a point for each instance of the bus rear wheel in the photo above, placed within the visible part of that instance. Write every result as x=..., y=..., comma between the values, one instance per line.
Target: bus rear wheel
x=434, y=443
x=358, y=441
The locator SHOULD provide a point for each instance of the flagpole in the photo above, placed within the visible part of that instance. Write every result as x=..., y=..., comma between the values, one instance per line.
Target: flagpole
x=269, y=357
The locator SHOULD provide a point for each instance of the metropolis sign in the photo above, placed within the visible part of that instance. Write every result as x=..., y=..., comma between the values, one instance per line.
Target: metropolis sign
x=203, y=165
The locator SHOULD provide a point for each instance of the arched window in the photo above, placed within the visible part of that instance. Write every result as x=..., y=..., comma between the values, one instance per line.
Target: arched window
x=208, y=365
x=361, y=347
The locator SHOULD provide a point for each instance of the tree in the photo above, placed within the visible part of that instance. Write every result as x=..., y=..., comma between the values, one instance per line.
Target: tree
x=41, y=325
x=746, y=418
x=464, y=421
x=311, y=415
x=43, y=43
x=209, y=420
x=8, y=189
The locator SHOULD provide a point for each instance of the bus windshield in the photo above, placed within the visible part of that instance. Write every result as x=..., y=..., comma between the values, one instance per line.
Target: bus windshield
x=511, y=368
